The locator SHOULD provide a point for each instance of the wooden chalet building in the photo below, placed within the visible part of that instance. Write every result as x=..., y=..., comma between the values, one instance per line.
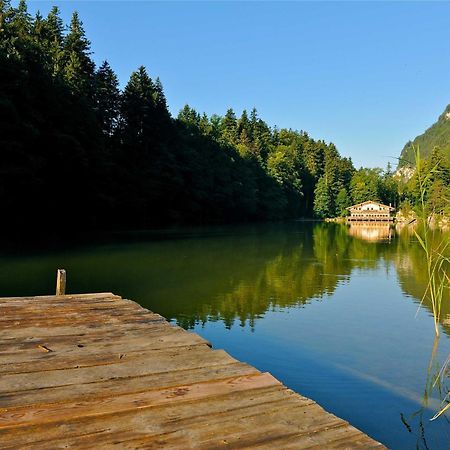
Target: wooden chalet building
x=370, y=211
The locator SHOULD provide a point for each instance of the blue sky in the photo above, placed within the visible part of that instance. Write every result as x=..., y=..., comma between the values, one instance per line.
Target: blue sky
x=367, y=76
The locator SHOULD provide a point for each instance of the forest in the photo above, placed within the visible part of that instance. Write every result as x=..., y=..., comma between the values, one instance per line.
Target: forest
x=78, y=152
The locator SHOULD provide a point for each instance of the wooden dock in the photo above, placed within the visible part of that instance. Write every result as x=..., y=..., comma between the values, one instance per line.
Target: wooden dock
x=98, y=371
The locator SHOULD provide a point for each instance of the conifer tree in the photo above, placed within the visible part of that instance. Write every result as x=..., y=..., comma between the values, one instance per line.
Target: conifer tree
x=38, y=28
x=204, y=125
x=228, y=127
x=159, y=99
x=53, y=41
x=6, y=33
x=253, y=119
x=243, y=125
x=21, y=21
x=107, y=98
x=78, y=66
x=189, y=116
x=138, y=108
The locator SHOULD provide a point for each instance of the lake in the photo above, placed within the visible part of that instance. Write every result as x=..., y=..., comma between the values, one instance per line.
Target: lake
x=331, y=311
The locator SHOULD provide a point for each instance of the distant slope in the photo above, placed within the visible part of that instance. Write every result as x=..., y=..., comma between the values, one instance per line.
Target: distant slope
x=438, y=135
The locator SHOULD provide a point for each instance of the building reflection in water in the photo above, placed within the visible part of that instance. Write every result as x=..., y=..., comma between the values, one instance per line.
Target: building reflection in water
x=370, y=231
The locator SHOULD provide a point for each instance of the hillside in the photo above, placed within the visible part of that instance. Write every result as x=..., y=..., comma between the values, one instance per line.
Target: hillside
x=438, y=135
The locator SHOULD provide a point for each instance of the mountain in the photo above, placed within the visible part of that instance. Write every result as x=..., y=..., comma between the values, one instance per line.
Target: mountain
x=438, y=135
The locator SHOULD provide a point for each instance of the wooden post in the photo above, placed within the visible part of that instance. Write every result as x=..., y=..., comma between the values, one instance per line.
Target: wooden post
x=61, y=282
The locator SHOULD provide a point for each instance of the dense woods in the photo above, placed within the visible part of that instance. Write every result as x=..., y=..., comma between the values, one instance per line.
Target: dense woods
x=77, y=151
x=430, y=184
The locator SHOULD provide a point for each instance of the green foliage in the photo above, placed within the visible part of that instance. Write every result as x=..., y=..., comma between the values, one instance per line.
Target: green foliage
x=322, y=199
x=366, y=185
x=67, y=133
x=343, y=201
x=107, y=98
x=78, y=66
x=429, y=187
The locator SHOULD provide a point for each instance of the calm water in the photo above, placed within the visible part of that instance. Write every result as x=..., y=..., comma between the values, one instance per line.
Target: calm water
x=331, y=312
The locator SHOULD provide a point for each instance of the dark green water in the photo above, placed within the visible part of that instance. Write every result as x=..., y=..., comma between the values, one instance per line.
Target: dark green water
x=332, y=313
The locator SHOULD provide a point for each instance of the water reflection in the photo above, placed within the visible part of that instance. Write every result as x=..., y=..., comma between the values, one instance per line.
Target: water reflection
x=232, y=275
x=435, y=398
x=371, y=232
x=325, y=310
x=304, y=268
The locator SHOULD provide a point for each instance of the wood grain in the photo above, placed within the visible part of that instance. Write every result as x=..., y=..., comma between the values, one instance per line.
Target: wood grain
x=99, y=371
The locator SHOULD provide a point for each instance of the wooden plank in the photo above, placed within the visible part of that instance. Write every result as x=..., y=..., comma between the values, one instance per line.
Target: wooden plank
x=125, y=385
x=91, y=370
x=31, y=352
x=62, y=319
x=58, y=309
x=105, y=337
x=32, y=334
x=250, y=423
x=36, y=331
x=168, y=361
x=148, y=421
x=51, y=298
x=17, y=417
x=92, y=359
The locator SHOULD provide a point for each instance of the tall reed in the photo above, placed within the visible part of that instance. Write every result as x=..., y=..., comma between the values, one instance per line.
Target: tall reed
x=435, y=249
x=437, y=263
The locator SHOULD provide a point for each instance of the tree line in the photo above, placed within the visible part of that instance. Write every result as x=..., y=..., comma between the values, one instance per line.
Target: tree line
x=77, y=151
x=427, y=182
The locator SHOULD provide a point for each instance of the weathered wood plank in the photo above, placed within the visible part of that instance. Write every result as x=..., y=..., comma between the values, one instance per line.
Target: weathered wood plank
x=148, y=421
x=125, y=385
x=59, y=310
x=23, y=336
x=91, y=360
x=76, y=318
x=168, y=361
x=21, y=332
x=103, y=337
x=90, y=370
x=52, y=298
x=15, y=417
x=79, y=349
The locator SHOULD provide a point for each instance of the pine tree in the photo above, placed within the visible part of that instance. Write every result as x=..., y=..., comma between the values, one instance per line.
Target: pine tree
x=189, y=116
x=21, y=22
x=6, y=32
x=53, y=41
x=107, y=98
x=159, y=99
x=138, y=108
x=204, y=125
x=38, y=31
x=253, y=119
x=244, y=125
x=78, y=66
x=228, y=127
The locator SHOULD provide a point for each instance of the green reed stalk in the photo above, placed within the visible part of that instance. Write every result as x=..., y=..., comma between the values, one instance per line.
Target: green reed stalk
x=434, y=253
x=443, y=373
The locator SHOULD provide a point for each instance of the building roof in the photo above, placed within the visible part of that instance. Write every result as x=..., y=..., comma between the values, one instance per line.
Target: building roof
x=371, y=201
